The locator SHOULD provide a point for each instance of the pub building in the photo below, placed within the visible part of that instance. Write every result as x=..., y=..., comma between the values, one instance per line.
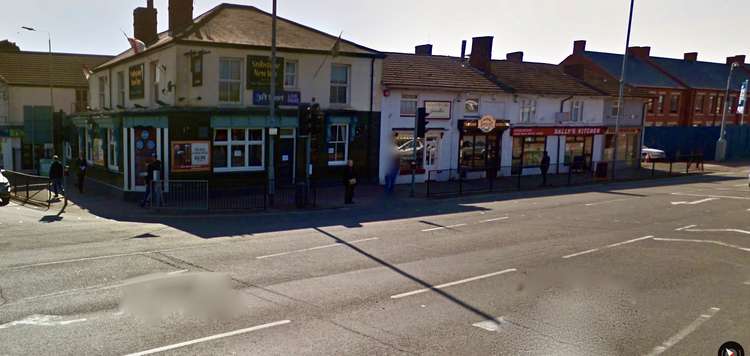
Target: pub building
x=197, y=98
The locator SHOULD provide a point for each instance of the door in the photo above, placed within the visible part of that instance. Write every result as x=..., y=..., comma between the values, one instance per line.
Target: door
x=432, y=150
x=286, y=157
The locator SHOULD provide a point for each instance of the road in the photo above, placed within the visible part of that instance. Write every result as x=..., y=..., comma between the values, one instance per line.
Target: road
x=654, y=267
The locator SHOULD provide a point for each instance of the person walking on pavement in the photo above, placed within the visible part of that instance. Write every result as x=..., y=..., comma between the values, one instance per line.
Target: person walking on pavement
x=56, y=172
x=393, y=171
x=152, y=168
x=350, y=181
x=82, y=165
x=545, y=168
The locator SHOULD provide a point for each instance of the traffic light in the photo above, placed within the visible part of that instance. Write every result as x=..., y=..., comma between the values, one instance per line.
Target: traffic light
x=317, y=118
x=421, y=122
x=305, y=115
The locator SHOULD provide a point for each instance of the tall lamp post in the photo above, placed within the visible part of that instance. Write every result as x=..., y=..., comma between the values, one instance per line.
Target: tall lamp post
x=273, y=131
x=51, y=96
x=620, y=105
x=721, y=144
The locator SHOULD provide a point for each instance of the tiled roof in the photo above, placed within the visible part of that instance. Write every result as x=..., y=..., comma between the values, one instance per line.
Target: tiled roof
x=440, y=72
x=701, y=75
x=33, y=68
x=539, y=78
x=612, y=87
x=639, y=73
x=241, y=25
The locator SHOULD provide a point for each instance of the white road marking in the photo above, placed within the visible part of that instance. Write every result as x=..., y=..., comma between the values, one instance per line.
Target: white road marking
x=720, y=230
x=711, y=196
x=685, y=227
x=338, y=244
x=177, y=272
x=740, y=185
x=42, y=320
x=443, y=227
x=747, y=283
x=495, y=219
x=609, y=201
x=684, y=332
x=746, y=249
x=209, y=338
x=441, y=286
x=608, y=246
x=694, y=202
x=491, y=325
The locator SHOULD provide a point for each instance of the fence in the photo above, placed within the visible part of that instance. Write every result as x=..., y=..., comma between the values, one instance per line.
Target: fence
x=676, y=140
x=28, y=188
x=507, y=178
x=180, y=195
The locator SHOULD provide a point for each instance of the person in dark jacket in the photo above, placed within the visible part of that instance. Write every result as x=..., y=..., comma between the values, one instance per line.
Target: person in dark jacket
x=56, y=173
x=350, y=181
x=82, y=166
x=544, y=166
x=152, y=168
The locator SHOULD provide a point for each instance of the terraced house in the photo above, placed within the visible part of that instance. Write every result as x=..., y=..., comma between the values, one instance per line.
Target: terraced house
x=197, y=97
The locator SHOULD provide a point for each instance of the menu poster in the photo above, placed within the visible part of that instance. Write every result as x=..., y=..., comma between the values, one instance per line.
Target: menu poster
x=191, y=156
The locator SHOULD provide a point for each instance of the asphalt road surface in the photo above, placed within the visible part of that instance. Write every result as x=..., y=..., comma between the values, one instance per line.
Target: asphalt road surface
x=654, y=267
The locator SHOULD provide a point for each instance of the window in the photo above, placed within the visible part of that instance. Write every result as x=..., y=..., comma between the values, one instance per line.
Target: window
x=719, y=104
x=339, y=84
x=113, y=162
x=650, y=105
x=155, y=79
x=102, y=90
x=528, y=110
x=615, y=109
x=338, y=144
x=660, y=104
x=404, y=145
x=82, y=99
x=528, y=151
x=89, y=146
x=121, y=89
x=674, y=103
x=290, y=74
x=238, y=149
x=578, y=150
x=576, y=113
x=196, y=69
x=700, y=102
x=471, y=107
x=408, y=105
x=230, y=81
x=732, y=105
x=711, y=104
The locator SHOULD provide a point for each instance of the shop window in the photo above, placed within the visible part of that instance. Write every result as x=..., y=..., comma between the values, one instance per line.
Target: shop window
x=528, y=110
x=113, y=162
x=528, y=151
x=660, y=104
x=674, y=103
x=340, y=84
x=700, y=102
x=338, y=145
x=471, y=107
x=408, y=105
x=196, y=69
x=578, y=151
x=230, y=81
x=404, y=142
x=577, y=111
x=238, y=149
x=290, y=74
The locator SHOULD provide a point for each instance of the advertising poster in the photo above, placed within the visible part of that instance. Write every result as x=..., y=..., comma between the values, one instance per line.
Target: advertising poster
x=145, y=151
x=97, y=153
x=191, y=156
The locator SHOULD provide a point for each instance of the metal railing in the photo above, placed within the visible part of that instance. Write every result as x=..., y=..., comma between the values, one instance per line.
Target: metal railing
x=27, y=188
x=180, y=195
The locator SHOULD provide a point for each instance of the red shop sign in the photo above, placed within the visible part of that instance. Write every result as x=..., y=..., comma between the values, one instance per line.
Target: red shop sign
x=557, y=131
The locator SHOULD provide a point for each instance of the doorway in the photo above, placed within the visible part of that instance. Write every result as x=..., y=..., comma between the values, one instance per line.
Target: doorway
x=286, y=158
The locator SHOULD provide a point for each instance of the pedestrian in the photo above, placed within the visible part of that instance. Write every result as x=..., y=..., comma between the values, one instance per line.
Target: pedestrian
x=151, y=170
x=544, y=167
x=350, y=181
x=82, y=166
x=56, y=173
x=699, y=165
x=393, y=172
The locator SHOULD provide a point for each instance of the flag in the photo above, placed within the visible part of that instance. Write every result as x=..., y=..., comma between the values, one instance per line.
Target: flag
x=137, y=45
x=87, y=72
x=336, y=47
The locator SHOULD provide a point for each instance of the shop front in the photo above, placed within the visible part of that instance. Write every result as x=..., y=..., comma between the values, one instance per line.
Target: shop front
x=480, y=143
x=628, y=145
x=569, y=148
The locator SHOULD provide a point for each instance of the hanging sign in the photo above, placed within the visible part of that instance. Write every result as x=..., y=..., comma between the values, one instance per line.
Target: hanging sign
x=487, y=123
x=137, y=81
x=743, y=98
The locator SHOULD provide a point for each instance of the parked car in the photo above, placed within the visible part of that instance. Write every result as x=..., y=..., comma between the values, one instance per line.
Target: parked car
x=4, y=189
x=652, y=154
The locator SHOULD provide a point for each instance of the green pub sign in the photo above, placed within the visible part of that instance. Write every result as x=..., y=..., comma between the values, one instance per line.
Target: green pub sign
x=137, y=81
x=259, y=72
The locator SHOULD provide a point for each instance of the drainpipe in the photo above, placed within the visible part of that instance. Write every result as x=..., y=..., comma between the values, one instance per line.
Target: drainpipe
x=369, y=121
x=559, y=143
x=562, y=103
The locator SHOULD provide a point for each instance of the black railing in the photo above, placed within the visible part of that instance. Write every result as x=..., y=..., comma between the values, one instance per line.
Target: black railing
x=27, y=188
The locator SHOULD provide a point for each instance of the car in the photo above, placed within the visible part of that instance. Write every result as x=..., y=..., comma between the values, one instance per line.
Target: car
x=4, y=189
x=652, y=154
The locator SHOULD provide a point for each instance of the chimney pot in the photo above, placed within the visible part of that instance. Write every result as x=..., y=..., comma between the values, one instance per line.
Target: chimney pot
x=481, y=53
x=691, y=56
x=516, y=57
x=463, y=49
x=579, y=47
x=423, y=50
x=144, y=24
x=640, y=52
x=180, y=15
x=740, y=59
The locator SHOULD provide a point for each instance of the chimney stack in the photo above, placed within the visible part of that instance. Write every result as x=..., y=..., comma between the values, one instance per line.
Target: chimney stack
x=640, y=52
x=144, y=23
x=423, y=50
x=481, y=53
x=579, y=47
x=691, y=56
x=180, y=15
x=463, y=50
x=736, y=59
x=515, y=57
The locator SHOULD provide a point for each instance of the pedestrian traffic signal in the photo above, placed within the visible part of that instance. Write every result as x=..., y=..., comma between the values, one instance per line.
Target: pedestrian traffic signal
x=421, y=122
x=305, y=116
x=317, y=118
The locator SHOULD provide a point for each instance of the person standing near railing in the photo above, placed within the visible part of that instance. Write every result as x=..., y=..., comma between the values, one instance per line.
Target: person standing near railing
x=153, y=168
x=56, y=173
x=82, y=165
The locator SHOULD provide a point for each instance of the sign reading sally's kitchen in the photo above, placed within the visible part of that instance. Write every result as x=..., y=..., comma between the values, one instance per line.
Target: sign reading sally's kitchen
x=259, y=72
x=137, y=81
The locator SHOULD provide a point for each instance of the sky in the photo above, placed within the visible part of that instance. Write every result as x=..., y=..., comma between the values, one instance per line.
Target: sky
x=543, y=29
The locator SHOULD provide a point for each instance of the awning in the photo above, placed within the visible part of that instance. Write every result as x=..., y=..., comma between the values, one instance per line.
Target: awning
x=252, y=121
x=154, y=121
x=108, y=122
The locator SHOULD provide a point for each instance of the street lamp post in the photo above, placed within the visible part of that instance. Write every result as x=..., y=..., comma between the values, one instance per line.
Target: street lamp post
x=272, y=109
x=621, y=94
x=51, y=95
x=721, y=144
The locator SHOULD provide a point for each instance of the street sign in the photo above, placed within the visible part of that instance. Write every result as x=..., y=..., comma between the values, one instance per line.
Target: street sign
x=743, y=99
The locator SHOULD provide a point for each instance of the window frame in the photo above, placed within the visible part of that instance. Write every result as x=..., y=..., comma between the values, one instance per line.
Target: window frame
x=82, y=99
x=196, y=76
x=345, y=141
x=527, y=110
x=247, y=143
x=674, y=103
x=576, y=110
x=660, y=103
x=121, y=88
x=333, y=84
x=113, y=154
x=700, y=103
x=408, y=98
x=294, y=75
x=102, y=92
x=154, y=73
x=230, y=81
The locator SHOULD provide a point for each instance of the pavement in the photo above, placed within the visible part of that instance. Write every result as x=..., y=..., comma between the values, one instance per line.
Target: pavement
x=643, y=267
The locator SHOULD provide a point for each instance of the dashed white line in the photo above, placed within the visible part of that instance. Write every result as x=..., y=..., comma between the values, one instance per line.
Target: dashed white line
x=720, y=230
x=581, y=253
x=209, y=338
x=443, y=227
x=719, y=243
x=441, y=286
x=685, y=227
x=684, y=332
x=629, y=241
x=338, y=244
x=711, y=196
x=606, y=247
x=694, y=202
x=495, y=219
x=609, y=201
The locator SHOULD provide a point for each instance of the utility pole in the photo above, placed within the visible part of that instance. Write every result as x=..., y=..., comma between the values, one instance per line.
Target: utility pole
x=721, y=144
x=273, y=130
x=620, y=101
